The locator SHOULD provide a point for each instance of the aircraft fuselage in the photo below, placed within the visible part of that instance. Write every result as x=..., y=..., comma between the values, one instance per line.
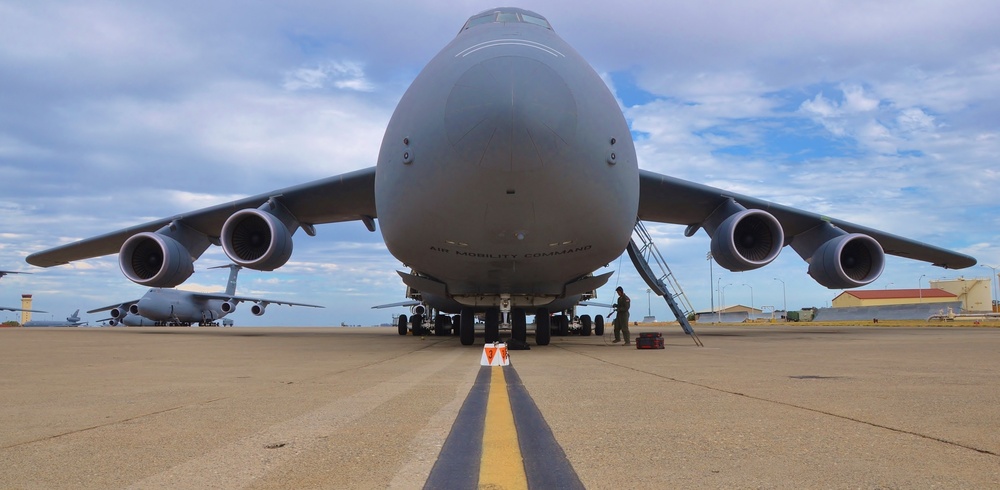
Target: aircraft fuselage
x=164, y=305
x=507, y=168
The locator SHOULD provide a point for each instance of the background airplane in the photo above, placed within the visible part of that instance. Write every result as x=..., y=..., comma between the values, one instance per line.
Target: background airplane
x=168, y=306
x=466, y=192
x=71, y=321
x=11, y=308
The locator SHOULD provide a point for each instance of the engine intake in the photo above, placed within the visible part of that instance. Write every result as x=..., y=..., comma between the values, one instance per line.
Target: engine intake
x=256, y=239
x=228, y=307
x=747, y=240
x=847, y=261
x=155, y=260
x=258, y=309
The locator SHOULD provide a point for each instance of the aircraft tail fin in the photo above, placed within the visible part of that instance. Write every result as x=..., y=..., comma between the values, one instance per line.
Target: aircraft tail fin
x=234, y=270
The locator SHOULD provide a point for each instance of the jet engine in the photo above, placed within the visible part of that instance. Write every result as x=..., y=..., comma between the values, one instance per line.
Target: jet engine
x=228, y=307
x=155, y=260
x=113, y=322
x=746, y=239
x=133, y=309
x=847, y=261
x=261, y=238
x=258, y=309
x=118, y=313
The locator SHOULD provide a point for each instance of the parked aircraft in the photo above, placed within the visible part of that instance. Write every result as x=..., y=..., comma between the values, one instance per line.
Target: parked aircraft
x=168, y=306
x=484, y=188
x=11, y=308
x=71, y=321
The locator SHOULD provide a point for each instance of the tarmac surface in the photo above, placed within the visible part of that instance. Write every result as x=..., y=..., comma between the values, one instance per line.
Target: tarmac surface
x=776, y=406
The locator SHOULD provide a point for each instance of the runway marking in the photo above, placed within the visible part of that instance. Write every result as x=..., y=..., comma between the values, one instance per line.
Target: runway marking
x=501, y=465
x=501, y=440
x=792, y=405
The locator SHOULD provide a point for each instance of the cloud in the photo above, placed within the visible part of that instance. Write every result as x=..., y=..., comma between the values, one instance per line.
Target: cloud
x=343, y=75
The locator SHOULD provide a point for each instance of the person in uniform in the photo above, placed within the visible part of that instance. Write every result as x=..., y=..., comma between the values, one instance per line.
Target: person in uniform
x=621, y=321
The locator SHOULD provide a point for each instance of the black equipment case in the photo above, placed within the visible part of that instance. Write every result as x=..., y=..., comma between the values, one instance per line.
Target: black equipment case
x=649, y=340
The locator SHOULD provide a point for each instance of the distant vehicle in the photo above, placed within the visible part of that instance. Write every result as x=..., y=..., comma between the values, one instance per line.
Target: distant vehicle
x=10, y=308
x=71, y=321
x=173, y=307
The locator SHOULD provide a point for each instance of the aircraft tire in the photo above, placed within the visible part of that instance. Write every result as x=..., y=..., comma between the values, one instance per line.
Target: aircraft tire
x=599, y=325
x=417, y=324
x=467, y=327
x=456, y=324
x=518, y=325
x=585, y=325
x=563, y=326
x=492, y=325
x=439, y=325
x=543, y=334
x=401, y=323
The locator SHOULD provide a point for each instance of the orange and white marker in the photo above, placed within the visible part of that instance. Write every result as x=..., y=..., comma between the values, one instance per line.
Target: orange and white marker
x=495, y=354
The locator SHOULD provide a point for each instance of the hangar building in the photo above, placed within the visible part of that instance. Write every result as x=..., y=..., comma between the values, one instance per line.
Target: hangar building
x=974, y=294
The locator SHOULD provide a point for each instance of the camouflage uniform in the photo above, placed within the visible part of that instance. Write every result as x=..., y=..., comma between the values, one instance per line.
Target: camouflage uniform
x=621, y=318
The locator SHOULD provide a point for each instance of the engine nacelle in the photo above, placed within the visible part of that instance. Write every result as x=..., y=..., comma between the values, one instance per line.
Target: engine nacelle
x=256, y=239
x=258, y=309
x=747, y=240
x=228, y=307
x=847, y=261
x=133, y=309
x=113, y=322
x=155, y=260
x=118, y=313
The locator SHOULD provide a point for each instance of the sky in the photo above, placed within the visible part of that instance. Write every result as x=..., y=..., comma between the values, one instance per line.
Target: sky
x=114, y=113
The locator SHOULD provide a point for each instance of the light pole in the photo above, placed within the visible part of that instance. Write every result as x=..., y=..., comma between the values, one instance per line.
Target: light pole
x=920, y=289
x=751, y=301
x=784, y=302
x=722, y=299
x=649, y=305
x=711, y=277
x=994, y=295
x=718, y=290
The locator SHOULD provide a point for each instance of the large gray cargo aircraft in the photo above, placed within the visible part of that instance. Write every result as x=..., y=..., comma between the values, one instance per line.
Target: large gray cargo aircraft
x=507, y=175
x=168, y=306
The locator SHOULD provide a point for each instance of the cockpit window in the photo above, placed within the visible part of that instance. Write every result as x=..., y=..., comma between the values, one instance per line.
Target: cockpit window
x=505, y=16
x=538, y=21
x=481, y=19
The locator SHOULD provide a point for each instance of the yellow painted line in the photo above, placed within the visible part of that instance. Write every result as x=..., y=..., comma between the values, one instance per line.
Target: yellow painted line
x=501, y=465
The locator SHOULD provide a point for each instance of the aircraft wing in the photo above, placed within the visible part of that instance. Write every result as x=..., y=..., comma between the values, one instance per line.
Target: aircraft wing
x=667, y=199
x=4, y=308
x=344, y=197
x=238, y=299
x=123, y=305
x=411, y=302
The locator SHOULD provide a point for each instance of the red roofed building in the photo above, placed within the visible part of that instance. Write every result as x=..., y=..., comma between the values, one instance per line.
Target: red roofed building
x=882, y=297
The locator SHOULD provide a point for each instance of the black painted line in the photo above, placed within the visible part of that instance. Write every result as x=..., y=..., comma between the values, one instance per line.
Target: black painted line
x=545, y=462
x=457, y=466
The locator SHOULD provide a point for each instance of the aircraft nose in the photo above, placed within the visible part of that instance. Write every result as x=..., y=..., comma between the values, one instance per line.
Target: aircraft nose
x=511, y=113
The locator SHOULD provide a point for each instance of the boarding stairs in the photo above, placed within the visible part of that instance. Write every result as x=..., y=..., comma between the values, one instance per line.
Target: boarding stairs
x=647, y=260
